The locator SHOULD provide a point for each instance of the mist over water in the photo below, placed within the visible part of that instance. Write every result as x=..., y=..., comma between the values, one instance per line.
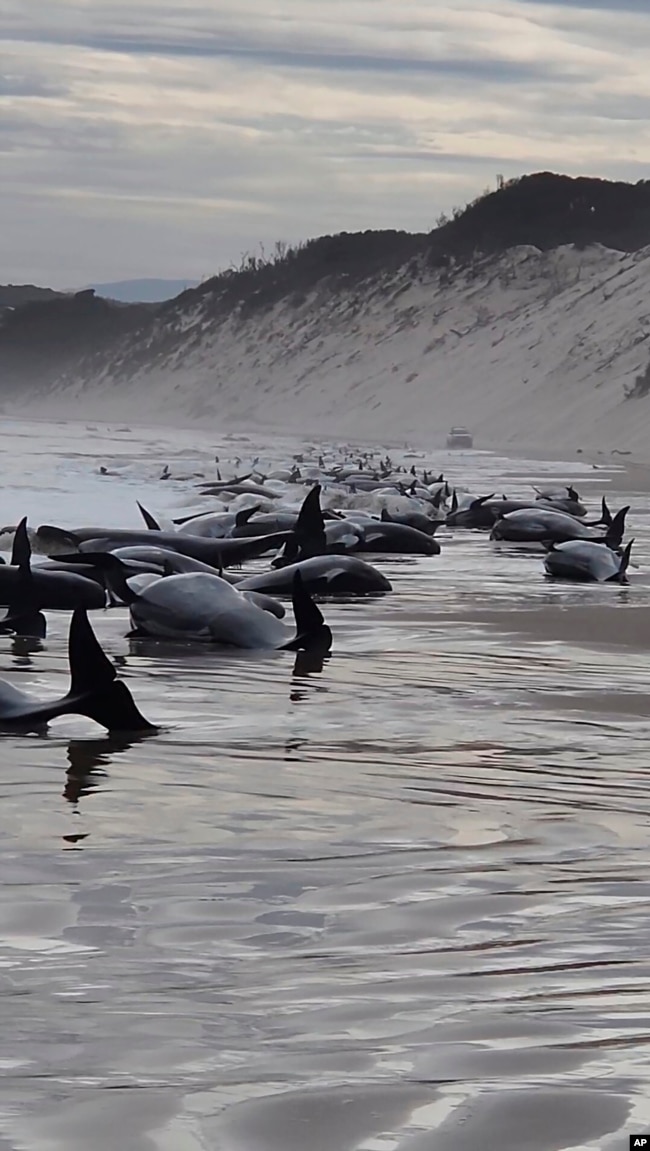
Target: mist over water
x=397, y=903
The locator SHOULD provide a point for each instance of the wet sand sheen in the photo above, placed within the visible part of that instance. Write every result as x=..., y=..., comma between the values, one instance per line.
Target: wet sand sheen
x=397, y=904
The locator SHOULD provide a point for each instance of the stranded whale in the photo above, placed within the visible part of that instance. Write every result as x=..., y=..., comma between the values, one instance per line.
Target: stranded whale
x=205, y=607
x=94, y=690
x=586, y=560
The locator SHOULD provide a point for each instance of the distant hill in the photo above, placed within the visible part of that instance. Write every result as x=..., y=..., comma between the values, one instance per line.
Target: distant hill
x=42, y=337
x=147, y=291
x=525, y=314
x=13, y=295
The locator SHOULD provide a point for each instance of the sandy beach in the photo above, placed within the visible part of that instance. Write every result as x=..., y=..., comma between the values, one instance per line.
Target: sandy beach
x=527, y=348
x=398, y=902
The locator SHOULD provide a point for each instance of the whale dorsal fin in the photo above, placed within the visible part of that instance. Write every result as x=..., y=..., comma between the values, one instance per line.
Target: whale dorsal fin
x=24, y=616
x=245, y=514
x=310, y=526
x=481, y=500
x=150, y=521
x=21, y=552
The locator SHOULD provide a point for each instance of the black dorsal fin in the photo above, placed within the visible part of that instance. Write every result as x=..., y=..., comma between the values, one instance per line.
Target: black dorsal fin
x=386, y=517
x=288, y=554
x=150, y=521
x=24, y=616
x=245, y=514
x=480, y=501
x=21, y=552
x=310, y=525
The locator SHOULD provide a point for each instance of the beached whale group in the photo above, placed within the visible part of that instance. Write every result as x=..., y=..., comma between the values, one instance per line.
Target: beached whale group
x=310, y=526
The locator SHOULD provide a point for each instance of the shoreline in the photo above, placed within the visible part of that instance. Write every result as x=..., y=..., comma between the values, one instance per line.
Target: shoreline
x=626, y=471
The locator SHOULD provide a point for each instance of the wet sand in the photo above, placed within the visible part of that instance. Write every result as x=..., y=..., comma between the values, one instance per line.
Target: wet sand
x=623, y=625
x=399, y=904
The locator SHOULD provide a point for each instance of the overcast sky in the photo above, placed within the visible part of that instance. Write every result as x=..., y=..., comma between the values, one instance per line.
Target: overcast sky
x=166, y=137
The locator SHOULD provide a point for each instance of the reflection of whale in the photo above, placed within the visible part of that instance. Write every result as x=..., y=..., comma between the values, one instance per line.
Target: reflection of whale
x=94, y=690
x=88, y=758
x=310, y=662
x=23, y=647
x=307, y=663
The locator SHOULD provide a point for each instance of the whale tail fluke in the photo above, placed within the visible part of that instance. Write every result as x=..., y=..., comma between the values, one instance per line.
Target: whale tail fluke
x=621, y=574
x=616, y=530
x=95, y=690
x=312, y=633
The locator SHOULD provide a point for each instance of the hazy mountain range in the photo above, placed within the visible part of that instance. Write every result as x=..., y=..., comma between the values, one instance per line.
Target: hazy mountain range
x=145, y=291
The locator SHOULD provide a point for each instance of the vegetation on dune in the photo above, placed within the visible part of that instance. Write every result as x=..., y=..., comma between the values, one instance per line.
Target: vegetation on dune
x=44, y=334
x=543, y=210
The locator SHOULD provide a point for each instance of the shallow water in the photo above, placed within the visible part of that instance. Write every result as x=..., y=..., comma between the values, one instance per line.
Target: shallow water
x=397, y=903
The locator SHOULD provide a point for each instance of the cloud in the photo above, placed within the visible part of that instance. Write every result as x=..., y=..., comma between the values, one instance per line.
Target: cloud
x=156, y=137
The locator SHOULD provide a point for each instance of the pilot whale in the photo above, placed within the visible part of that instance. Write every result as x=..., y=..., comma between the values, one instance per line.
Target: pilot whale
x=321, y=575
x=530, y=526
x=216, y=552
x=54, y=589
x=118, y=568
x=586, y=560
x=198, y=606
x=94, y=690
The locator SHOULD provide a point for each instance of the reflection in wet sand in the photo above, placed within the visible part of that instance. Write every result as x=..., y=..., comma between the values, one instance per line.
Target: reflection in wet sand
x=390, y=900
x=89, y=760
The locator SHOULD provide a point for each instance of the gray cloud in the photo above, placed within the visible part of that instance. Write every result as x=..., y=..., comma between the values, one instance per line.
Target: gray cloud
x=473, y=68
x=612, y=6
x=161, y=137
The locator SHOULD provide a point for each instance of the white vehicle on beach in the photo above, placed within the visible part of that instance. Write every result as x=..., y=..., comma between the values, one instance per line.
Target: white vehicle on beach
x=460, y=438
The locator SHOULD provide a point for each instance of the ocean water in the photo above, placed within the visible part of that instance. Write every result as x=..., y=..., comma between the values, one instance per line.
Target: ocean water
x=396, y=903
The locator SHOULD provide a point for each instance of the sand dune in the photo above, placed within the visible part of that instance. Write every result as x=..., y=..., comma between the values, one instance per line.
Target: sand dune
x=528, y=347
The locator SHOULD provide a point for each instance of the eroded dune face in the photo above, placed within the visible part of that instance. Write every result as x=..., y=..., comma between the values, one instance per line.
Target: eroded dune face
x=508, y=344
